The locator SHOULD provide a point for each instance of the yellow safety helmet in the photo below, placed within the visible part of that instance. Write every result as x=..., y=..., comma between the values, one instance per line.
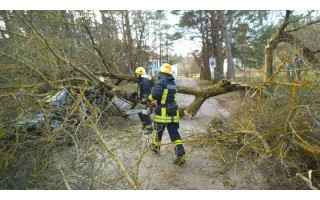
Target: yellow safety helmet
x=165, y=68
x=140, y=70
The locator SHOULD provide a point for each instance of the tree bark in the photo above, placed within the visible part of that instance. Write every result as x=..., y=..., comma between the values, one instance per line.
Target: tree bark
x=205, y=70
x=129, y=40
x=268, y=59
x=202, y=94
x=230, y=68
x=218, y=71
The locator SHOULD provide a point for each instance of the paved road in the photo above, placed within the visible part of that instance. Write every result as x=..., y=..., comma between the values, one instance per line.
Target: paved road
x=210, y=165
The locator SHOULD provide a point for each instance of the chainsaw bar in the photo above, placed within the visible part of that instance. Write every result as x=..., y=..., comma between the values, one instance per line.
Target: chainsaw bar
x=134, y=111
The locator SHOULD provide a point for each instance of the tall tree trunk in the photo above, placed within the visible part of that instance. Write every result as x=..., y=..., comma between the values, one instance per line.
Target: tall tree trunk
x=129, y=38
x=230, y=70
x=205, y=73
x=215, y=31
x=268, y=60
x=70, y=47
x=140, y=33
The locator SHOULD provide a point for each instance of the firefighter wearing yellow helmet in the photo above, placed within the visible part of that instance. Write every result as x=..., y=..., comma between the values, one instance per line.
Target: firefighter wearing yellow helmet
x=166, y=113
x=166, y=68
x=140, y=71
x=142, y=93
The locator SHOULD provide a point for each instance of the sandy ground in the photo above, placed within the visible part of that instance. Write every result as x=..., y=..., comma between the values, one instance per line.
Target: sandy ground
x=209, y=166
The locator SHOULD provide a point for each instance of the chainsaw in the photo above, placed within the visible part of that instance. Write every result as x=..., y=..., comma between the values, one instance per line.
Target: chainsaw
x=145, y=110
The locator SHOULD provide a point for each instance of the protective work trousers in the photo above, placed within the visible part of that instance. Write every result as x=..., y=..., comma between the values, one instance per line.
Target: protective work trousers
x=173, y=134
x=146, y=121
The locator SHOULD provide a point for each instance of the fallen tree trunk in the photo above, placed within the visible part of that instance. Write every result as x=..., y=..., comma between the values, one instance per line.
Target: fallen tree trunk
x=202, y=94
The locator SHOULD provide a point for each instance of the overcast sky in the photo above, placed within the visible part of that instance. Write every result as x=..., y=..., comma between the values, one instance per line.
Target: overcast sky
x=184, y=45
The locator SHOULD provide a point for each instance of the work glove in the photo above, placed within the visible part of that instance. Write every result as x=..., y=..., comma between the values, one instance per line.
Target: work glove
x=154, y=103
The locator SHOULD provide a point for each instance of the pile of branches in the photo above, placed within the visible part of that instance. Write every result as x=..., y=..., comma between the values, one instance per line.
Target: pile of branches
x=278, y=121
x=33, y=129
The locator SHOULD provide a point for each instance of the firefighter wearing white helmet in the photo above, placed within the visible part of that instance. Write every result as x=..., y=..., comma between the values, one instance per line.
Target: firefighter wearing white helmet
x=142, y=93
x=167, y=113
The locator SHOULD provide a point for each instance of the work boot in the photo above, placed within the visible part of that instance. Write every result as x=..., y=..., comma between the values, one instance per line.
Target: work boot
x=155, y=149
x=149, y=130
x=179, y=160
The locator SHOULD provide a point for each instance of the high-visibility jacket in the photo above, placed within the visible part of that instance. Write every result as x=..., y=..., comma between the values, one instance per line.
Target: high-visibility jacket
x=164, y=92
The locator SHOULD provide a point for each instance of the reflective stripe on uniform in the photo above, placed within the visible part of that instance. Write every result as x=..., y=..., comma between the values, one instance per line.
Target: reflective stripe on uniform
x=164, y=96
x=167, y=119
x=151, y=98
x=155, y=139
x=175, y=98
x=163, y=112
x=149, y=126
x=177, y=142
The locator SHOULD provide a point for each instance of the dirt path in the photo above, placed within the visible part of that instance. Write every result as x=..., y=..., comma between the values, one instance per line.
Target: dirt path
x=209, y=166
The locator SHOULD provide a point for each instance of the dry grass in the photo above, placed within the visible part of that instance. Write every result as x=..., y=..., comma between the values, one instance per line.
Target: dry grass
x=279, y=121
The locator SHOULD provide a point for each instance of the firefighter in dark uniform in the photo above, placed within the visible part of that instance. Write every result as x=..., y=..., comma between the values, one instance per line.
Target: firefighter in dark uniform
x=166, y=114
x=142, y=93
